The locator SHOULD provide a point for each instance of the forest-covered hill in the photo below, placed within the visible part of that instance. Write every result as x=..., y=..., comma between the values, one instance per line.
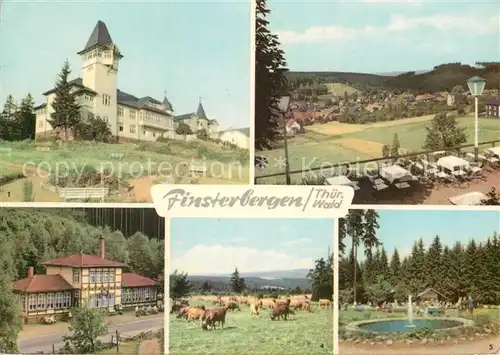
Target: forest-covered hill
x=442, y=78
x=30, y=236
x=223, y=283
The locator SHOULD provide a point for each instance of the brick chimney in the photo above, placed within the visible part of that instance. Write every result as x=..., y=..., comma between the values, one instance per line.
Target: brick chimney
x=31, y=271
x=102, y=251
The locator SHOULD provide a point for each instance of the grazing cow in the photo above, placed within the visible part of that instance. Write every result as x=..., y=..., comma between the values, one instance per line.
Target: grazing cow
x=306, y=307
x=231, y=305
x=183, y=312
x=194, y=313
x=254, y=308
x=214, y=316
x=285, y=301
x=267, y=302
x=280, y=311
x=297, y=304
x=324, y=303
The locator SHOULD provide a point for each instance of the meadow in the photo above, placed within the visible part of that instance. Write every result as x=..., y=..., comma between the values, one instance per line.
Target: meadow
x=304, y=333
x=141, y=164
x=334, y=142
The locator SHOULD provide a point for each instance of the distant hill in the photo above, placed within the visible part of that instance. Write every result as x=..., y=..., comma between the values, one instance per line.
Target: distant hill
x=289, y=279
x=441, y=78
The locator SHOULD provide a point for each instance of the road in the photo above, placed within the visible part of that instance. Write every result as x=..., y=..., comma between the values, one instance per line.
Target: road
x=44, y=343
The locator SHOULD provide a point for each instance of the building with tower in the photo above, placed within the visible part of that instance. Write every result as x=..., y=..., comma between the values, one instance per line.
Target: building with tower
x=128, y=116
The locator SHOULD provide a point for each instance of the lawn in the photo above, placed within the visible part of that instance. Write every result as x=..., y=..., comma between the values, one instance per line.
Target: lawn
x=334, y=143
x=305, y=333
x=157, y=159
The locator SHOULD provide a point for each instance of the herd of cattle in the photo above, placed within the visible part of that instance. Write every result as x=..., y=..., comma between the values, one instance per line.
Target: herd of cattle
x=279, y=308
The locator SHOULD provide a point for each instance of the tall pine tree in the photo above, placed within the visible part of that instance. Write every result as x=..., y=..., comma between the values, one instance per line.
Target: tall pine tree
x=66, y=115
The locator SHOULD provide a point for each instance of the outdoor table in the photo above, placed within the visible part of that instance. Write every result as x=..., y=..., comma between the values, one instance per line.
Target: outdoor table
x=495, y=151
x=442, y=175
x=475, y=169
x=469, y=199
x=394, y=172
x=402, y=185
x=339, y=180
x=452, y=162
x=458, y=173
x=432, y=171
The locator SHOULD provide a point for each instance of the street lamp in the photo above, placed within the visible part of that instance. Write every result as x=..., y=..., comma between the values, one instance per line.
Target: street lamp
x=283, y=106
x=476, y=87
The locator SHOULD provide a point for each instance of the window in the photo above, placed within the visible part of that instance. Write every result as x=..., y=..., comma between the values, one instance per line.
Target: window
x=76, y=276
x=132, y=114
x=23, y=303
x=66, y=302
x=58, y=300
x=120, y=126
x=132, y=128
x=41, y=301
x=98, y=276
x=144, y=133
x=105, y=118
x=106, y=100
x=50, y=300
x=92, y=276
x=77, y=294
x=40, y=124
x=120, y=111
x=105, y=274
x=32, y=302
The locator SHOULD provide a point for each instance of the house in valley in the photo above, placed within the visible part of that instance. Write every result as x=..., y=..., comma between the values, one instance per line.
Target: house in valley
x=82, y=280
x=493, y=108
x=237, y=136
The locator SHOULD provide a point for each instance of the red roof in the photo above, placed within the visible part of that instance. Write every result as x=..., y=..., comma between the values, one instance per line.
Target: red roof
x=129, y=279
x=83, y=260
x=42, y=283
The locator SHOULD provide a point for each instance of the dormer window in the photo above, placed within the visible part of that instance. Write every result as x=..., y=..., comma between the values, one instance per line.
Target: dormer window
x=76, y=276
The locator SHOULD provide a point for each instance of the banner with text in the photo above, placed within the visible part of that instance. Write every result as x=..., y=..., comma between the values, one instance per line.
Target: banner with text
x=259, y=201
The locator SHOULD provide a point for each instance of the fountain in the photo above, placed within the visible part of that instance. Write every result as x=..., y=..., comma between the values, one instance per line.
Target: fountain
x=410, y=313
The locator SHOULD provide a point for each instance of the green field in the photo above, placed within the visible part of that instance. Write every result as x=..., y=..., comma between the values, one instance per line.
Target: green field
x=313, y=149
x=302, y=334
x=154, y=160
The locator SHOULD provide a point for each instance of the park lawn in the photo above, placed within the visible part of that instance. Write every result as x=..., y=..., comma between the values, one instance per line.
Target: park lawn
x=303, y=334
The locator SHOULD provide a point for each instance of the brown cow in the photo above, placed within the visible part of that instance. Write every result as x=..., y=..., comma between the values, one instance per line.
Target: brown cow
x=214, y=316
x=194, y=313
x=280, y=311
x=232, y=306
x=254, y=308
x=297, y=304
x=325, y=303
x=267, y=302
x=306, y=307
x=183, y=312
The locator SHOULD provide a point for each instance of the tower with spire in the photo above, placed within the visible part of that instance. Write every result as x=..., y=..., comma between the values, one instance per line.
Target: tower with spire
x=100, y=59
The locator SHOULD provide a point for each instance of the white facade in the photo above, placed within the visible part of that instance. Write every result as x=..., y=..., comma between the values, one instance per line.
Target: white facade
x=128, y=116
x=239, y=137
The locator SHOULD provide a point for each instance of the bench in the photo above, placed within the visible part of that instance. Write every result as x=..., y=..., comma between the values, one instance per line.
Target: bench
x=85, y=193
x=117, y=156
x=197, y=169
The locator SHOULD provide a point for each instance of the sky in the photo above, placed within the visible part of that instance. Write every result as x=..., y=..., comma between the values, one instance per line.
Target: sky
x=204, y=246
x=400, y=228
x=372, y=36
x=167, y=46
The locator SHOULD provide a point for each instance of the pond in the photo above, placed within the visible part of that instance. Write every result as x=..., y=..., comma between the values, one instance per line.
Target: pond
x=403, y=325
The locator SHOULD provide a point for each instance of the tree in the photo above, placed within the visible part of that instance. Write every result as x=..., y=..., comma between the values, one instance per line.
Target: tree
x=66, y=115
x=8, y=120
x=395, y=146
x=202, y=134
x=270, y=79
x=237, y=282
x=492, y=198
x=386, y=151
x=87, y=325
x=444, y=133
x=10, y=322
x=180, y=286
x=95, y=128
x=26, y=118
x=354, y=229
x=183, y=130
x=321, y=278
x=206, y=287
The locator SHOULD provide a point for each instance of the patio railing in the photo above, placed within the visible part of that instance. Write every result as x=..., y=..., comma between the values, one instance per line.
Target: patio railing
x=427, y=153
